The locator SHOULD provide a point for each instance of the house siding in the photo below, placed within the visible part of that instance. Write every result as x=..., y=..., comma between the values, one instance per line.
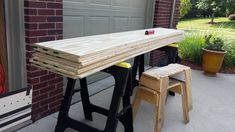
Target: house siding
x=43, y=22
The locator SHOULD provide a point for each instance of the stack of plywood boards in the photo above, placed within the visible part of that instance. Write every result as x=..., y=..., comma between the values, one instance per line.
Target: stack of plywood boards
x=83, y=56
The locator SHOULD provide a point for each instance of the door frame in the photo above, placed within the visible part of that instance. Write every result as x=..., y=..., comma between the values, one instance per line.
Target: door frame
x=3, y=42
x=14, y=18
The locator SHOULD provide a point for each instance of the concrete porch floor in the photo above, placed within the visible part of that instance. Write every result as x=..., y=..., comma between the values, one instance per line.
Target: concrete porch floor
x=213, y=109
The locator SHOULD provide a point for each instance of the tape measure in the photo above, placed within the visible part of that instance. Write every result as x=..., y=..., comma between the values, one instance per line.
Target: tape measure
x=149, y=32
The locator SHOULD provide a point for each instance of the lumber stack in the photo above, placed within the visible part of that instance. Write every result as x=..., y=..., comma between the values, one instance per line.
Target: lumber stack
x=83, y=56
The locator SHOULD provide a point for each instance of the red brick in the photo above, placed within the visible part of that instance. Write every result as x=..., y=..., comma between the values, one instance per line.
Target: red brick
x=59, y=25
x=47, y=77
x=31, y=68
x=34, y=4
x=46, y=12
x=46, y=38
x=35, y=105
x=57, y=80
x=47, y=101
x=55, y=5
x=54, y=19
x=59, y=12
x=33, y=81
x=35, y=19
x=36, y=93
x=58, y=37
x=55, y=32
x=34, y=33
x=46, y=25
x=39, y=110
x=55, y=92
x=47, y=89
x=33, y=74
x=29, y=54
x=30, y=11
x=39, y=98
x=40, y=85
x=31, y=40
x=31, y=26
x=55, y=104
x=59, y=85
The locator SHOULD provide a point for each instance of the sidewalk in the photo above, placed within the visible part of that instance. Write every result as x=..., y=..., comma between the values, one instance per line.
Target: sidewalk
x=213, y=109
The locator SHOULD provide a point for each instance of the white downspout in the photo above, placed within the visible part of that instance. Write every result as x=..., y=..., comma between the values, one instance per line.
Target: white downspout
x=172, y=14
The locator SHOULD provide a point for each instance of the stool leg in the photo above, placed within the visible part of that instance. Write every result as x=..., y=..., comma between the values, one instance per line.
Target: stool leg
x=188, y=79
x=185, y=106
x=161, y=105
x=135, y=105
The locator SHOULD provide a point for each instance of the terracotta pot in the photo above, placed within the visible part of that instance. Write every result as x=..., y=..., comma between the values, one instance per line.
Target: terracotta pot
x=212, y=61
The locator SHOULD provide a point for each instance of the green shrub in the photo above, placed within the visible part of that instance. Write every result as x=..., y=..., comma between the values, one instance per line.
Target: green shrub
x=185, y=7
x=214, y=43
x=191, y=47
x=229, y=58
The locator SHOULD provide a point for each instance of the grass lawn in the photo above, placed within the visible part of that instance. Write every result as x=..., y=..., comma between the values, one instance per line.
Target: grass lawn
x=223, y=26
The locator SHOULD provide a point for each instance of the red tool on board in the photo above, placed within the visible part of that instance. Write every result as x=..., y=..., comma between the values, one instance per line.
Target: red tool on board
x=2, y=80
x=149, y=32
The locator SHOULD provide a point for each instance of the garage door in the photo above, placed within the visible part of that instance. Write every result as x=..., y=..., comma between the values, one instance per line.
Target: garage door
x=91, y=17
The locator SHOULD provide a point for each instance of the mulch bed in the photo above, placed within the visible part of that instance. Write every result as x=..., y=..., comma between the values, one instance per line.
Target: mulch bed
x=228, y=70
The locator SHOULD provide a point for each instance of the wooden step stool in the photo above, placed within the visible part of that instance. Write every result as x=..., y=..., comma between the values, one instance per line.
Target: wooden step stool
x=155, y=83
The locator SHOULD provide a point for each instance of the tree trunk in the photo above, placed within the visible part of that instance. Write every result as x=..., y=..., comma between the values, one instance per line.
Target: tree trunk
x=212, y=18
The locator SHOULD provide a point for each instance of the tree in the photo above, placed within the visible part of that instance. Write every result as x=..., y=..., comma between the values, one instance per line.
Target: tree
x=230, y=7
x=185, y=6
x=213, y=6
x=221, y=7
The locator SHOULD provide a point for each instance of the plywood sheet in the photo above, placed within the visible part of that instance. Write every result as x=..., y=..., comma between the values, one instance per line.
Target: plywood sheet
x=54, y=65
x=84, y=47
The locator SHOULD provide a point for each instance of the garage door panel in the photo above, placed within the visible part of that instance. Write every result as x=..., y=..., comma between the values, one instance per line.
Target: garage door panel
x=91, y=17
x=76, y=1
x=121, y=3
x=102, y=2
x=98, y=25
x=73, y=4
x=121, y=24
x=136, y=23
x=74, y=26
x=138, y=4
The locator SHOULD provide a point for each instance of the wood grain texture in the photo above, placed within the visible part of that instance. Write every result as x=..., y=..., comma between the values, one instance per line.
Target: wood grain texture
x=55, y=62
x=153, y=87
x=3, y=46
x=81, y=57
x=84, y=48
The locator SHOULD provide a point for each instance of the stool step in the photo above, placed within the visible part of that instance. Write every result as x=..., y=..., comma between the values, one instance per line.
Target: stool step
x=173, y=83
x=166, y=71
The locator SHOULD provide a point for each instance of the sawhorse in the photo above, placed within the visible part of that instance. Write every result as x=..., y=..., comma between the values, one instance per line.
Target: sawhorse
x=122, y=90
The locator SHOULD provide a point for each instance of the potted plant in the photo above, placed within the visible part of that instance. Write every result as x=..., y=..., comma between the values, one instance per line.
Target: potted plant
x=213, y=55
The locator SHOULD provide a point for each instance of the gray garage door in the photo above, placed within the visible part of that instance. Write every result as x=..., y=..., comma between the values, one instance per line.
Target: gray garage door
x=91, y=17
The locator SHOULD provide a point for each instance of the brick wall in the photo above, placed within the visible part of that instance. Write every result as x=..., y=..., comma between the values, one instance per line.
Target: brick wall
x=162, y=16
x=43, y=22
